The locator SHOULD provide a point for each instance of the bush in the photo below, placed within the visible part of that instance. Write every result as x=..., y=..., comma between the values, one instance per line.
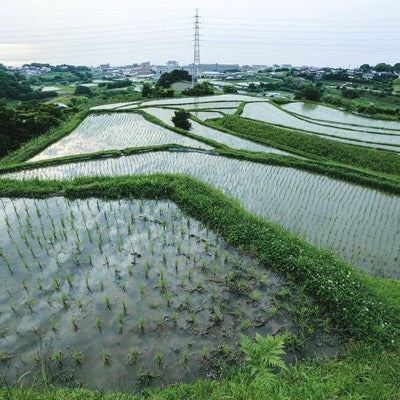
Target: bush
x=309, y=92
x=181, y=120
x=83, y=91
x=200, y=89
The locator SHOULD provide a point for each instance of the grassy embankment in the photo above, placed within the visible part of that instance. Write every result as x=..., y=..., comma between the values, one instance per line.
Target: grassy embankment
x=364, y=310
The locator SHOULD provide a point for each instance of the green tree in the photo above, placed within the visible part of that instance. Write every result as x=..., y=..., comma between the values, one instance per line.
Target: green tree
x=229, y=89
x=310, y=92
x=365, y=68
x=147, y=90
x=28, y=120
x=181, y=120
x=83, y=91
x=200, y=89
x=383, y=67
x=350, y=93
x=11, y=88
x=176, y=75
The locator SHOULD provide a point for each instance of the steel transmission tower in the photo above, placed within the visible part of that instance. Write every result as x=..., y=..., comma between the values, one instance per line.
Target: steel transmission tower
x=196, y=59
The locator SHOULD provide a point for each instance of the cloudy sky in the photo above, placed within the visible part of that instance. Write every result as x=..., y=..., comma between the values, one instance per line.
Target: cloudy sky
x=91, y=32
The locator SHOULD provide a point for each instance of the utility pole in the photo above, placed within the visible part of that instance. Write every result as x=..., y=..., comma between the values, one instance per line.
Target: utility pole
x=196, y=59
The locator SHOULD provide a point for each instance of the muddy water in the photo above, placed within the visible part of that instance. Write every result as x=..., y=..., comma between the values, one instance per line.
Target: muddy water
x=84, y=282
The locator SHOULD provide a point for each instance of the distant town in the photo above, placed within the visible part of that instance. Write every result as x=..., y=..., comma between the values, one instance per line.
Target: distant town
x=146, y=70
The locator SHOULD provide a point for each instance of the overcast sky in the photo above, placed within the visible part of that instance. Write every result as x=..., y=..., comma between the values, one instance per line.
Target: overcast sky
x=92, y=32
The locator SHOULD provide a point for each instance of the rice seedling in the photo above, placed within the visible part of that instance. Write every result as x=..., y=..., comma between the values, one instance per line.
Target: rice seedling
x=158, y=358
x=10, y=270
x=64, y=299
x=106, y=356
x=69, y=280
x=226, y=257
x=168, y=297
x=204, y=352
x=245, y=325
x=163, y=285
x=25, y=286
x=74, y=323
x=141, y=323
x=57, y=284
x=98, y=324
x=12, y=306
x=264, y=280
x=89, y=235
x=133, y=355
x=185, y=356
x=124, y=306
x=37, y=260
x=79, y=303
x=78, y=357
x=57, y=357
x=146, y=269
x=75, y=257
x=90, y=260
x=100, y=243
x=107, y=303
x=120, y=242
x=141, y=287
x=52, y=324
x=144, y=377
x=272, y=311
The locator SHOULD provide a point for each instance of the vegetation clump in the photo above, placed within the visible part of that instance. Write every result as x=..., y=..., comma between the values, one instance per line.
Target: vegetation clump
x=181, y=120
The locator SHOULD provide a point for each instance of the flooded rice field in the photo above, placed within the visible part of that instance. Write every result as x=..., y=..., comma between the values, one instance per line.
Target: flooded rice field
x=120, y=294
x=360, y=225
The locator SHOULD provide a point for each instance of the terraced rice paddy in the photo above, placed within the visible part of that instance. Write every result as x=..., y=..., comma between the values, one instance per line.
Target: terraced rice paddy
x=204, y=99
x=113, y=106
x=269, y=113
x=211, y=105
x=203, y=115
x=114, y=295
x=234, y=142
x=361, y=226
x=115, y=131
x=342, y=118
